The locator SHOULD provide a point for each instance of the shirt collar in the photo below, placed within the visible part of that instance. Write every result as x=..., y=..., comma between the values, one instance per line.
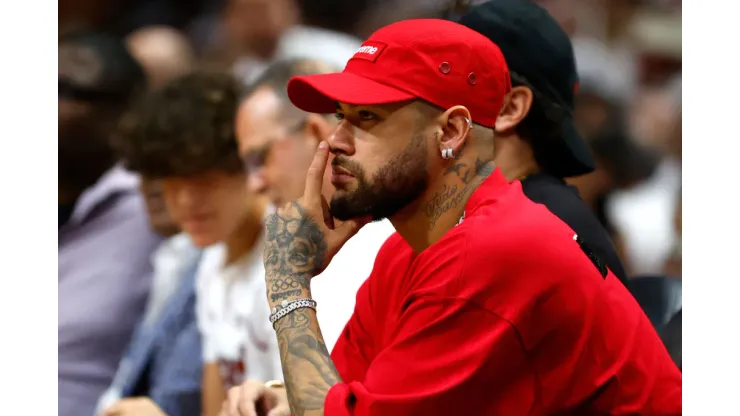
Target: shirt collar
x=487, y=192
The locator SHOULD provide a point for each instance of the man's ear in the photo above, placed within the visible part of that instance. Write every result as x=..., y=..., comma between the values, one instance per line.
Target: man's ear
x=516, y=106
x=455, y=126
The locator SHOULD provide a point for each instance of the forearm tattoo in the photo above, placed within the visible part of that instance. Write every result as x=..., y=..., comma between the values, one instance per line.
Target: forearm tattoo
x=295, y=248
x=307, y=367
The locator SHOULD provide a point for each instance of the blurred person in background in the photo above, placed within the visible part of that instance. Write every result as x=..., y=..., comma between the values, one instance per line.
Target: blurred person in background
x=644, y=213
x=104, y=239
x=251, y=34
x=536, y=138
x=328, y=23
x=163, y=52
x=246, y=34
x=277, y=142
x=184, y=136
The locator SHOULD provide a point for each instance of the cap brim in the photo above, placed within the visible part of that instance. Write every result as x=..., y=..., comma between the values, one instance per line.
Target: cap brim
x=320, y=93
x=581, y=161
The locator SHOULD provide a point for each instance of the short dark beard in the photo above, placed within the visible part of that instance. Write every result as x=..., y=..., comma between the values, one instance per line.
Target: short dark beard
x=396, y=185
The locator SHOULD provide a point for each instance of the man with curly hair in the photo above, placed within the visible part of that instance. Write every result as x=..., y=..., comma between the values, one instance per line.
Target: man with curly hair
x=183, y=135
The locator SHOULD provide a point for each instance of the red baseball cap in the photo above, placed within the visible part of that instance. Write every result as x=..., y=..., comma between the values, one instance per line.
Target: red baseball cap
x=438, y=61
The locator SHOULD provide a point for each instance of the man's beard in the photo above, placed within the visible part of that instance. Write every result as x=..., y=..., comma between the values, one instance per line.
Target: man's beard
x=396, y=185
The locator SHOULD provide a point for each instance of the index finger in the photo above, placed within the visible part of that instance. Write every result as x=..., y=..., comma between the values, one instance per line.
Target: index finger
x=315, y=176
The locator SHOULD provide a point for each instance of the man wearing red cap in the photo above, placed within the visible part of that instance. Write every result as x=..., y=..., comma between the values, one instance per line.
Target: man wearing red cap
x=483, y=302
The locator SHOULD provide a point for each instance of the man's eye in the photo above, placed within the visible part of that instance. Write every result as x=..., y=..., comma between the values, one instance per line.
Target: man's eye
x=339, y=116
x=366, y=115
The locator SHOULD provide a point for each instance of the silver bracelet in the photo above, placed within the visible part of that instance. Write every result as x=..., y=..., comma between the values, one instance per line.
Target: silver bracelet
x=287, y=307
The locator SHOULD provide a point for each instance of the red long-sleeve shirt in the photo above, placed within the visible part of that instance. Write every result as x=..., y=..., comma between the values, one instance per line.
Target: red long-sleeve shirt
x=505, y=315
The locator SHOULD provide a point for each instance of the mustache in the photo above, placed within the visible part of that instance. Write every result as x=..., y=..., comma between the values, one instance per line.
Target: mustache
x=350, y=166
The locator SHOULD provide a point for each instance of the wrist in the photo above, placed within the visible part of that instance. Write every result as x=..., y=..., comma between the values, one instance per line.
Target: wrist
x=275, y=384
x=286, y=288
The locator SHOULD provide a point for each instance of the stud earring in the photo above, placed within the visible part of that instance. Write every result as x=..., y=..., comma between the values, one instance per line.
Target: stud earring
x=447, y=153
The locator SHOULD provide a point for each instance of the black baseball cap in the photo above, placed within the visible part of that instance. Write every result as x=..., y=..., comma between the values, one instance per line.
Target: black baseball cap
x=537, y=49
x=98, y=68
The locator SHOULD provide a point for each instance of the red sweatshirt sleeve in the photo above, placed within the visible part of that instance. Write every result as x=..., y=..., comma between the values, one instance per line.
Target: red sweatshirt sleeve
x=441, y=350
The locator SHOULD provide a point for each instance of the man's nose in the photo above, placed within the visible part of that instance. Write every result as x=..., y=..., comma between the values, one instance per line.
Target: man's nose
x=342, y=139
x=256, y=181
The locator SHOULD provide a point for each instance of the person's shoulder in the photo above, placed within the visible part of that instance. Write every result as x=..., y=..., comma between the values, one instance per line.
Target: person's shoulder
x=514, y=224
x=393, y=246
x=520, y=246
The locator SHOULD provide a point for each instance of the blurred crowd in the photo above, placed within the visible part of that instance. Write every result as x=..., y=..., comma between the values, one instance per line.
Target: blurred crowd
x=168, y=108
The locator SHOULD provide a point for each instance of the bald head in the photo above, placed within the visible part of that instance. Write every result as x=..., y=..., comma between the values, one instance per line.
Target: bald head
x=163, y=52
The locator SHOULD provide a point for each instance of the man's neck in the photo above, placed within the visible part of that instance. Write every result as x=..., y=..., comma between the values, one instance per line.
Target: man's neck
x=244, y=238
x=515, y=158
x=442, y=206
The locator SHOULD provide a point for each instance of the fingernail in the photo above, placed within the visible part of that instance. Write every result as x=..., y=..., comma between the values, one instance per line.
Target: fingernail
x=323, y=145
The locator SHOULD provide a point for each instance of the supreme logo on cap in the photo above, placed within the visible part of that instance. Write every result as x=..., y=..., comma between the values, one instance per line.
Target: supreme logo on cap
x=369, y=51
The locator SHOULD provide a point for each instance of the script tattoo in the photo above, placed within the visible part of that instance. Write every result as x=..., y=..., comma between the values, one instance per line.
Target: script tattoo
x=295, y=248
x=452, y=196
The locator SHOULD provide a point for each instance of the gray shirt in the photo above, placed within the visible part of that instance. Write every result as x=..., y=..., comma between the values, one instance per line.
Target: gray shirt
x=104, y=279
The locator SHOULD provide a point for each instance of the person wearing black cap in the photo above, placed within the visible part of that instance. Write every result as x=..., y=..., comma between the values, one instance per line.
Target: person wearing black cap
x=536, y=139
x=104, y=238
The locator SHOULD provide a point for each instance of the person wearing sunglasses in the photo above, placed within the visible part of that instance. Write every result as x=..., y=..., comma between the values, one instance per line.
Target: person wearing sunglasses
x=277, y=142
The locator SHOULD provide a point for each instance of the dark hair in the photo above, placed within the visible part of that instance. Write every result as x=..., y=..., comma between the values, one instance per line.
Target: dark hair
x=184, y=129
x=542, y=125
x=543, y=122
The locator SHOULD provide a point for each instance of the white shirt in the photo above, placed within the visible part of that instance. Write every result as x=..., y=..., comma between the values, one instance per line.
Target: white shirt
x=335, y=290
x=233, y=317
x=644, y=215
x=333, y=48
x=302, y=42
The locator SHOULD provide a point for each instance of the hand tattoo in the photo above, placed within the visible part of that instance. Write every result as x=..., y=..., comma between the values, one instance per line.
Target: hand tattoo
x=295, y=248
